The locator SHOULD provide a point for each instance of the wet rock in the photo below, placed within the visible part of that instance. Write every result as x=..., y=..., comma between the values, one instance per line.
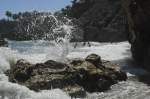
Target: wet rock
x=97, y=76
x=54, y=65
x=21, y=71
x=95, y=59
x=76, y=77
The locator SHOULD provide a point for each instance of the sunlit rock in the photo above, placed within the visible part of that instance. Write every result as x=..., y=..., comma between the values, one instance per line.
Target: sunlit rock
x=76, y=77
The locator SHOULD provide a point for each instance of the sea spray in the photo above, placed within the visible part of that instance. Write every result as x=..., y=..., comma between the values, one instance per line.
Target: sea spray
x=54, y=44
x=53, y=28
x=7, y=58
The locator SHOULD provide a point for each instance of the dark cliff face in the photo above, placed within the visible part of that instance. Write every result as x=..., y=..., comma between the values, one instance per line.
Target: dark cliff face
x=138, y=13
x=105, y=21
x=102, y=20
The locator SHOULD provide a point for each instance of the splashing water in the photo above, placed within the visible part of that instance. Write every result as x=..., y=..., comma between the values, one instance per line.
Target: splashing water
x=56, y=46
x=62, y=43
x=53, y=28
x=130, y=89
x=59, y=33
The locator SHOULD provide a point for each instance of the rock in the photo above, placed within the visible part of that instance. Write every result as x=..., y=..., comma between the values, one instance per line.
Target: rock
x=54, y=65
x=95, y=59
x=21, y=71
x=138, y=15
x=98, y=76
x=76, y=77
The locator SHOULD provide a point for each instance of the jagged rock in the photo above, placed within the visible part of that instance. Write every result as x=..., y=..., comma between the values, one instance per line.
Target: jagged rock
x=21, y=71
x=97, y=76
x=76, y=77
x=138, y=14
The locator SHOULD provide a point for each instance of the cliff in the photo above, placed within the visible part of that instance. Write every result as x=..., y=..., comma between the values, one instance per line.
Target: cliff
x=138, y=14
x=101, y=20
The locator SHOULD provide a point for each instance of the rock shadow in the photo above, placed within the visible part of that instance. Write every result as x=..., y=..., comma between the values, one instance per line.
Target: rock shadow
x=132, y=68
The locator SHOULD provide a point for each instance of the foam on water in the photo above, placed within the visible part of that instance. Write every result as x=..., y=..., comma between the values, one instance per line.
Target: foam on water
x=40, y=51
x=8, y=90
x=116, y=52
x=7, y=58
x=15, y=91
x=35, y=51
x=59, y=49
x=54, y=28
x=124, y=90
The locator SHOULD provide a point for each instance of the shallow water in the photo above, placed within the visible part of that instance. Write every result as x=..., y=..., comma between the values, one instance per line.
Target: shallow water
x=40, y=51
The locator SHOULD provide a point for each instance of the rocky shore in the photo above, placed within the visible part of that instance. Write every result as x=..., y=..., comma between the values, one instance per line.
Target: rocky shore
x=76, y=77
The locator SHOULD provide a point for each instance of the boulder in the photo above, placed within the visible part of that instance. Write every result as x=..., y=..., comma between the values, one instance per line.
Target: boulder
x=75, y=77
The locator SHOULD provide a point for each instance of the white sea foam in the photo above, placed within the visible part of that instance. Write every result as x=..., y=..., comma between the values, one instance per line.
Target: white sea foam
x=33, y=53
x=7, y=58
x=15, y=91
x=37, y=52
x=60, y=49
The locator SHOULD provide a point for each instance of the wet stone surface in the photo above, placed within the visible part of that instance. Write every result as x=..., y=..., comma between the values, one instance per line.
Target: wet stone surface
x=75, y=77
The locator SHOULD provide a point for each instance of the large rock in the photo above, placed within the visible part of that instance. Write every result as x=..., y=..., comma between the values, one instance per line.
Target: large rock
x=138, y=14
x=76, y=77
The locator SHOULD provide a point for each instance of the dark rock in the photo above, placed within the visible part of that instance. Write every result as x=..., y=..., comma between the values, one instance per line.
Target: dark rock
x=138, y=14
x=75, y=77
x=97, y=76
x=101, y=20
x=54, y=65
x=21, y=71
x=95, y=59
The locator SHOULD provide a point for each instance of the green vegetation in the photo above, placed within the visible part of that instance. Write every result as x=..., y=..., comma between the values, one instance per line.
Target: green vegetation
x=78, y=8
x=100, y=20
x=27, y=25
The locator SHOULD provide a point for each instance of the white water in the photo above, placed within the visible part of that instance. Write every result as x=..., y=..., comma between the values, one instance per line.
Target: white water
x=33, y=52
x=60, y=49
x=40, y=51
